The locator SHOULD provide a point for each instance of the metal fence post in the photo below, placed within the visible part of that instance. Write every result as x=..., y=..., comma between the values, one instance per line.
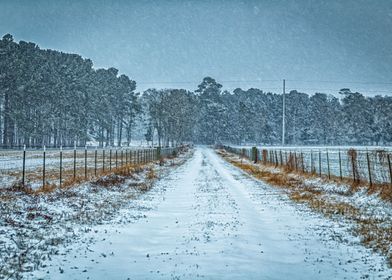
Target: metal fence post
x=24, y=165
x=110, y=159
x=302, y=162
x=311, y=162
x=340, y=166
x=369, y=169
x=103, y=160
x=95, y=161
x=329, y=171
x=85, y=162
x=43, y=168
x=281, y=158
x=61, y=165
x=320, y=163
x=285, y=158
x=116, y=159
x=295, y=161
x=122, y=158
x=390, y=168
x=74, y=163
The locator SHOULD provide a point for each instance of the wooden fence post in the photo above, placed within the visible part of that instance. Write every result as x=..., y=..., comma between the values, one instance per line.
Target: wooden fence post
x=159, y=153
x=286, y=159
x=254, y=154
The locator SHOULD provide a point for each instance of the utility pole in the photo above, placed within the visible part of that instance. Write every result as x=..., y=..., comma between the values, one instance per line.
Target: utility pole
x=284, y=113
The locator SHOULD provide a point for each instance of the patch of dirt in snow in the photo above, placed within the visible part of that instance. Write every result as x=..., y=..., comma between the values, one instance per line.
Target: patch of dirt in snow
x=37, y=225
x=367, y=215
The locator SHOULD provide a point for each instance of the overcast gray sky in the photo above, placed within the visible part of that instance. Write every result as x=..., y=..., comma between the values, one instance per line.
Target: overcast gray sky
x=240, y=43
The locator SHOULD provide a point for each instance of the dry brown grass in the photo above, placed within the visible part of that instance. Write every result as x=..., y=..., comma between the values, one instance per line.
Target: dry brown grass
x=109, y=181
x=151, y=174
x=376, y=236
x=372, y=231
x=384, y=191
x=71, y=178
x=47, y=188
x=68, y=179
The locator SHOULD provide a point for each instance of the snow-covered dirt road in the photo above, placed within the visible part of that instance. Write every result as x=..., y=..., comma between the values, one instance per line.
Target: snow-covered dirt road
x=209, y=220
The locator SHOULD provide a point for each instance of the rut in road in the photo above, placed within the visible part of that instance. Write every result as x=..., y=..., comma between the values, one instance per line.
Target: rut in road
x=211, y=220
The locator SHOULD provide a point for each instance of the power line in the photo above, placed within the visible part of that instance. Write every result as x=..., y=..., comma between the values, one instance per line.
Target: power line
x=298, y=88
x=271, y=80
x=341, y=82
x=219, y=81
x=336, y=89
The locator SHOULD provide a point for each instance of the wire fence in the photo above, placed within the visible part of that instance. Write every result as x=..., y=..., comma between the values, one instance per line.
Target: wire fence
x=58, y=167
x=372, y=166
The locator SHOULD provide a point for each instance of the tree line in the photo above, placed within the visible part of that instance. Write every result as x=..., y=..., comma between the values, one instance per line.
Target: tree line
x=56, y=99
x=53, y=98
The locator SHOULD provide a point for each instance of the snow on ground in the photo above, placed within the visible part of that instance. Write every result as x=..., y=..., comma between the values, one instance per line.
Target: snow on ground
x=207, y=219
x=33, y=228
x=371, y=204
x=315, y=147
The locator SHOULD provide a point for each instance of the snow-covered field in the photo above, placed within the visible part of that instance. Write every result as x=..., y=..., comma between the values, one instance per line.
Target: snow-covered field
x=207, y=219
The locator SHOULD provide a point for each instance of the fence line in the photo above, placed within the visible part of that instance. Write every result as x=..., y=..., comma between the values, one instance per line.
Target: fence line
x=360, y=166
x=56, y=168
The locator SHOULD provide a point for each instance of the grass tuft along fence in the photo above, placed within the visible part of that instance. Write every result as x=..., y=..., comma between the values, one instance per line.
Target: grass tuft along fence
x=359, y=166
x=34, y=169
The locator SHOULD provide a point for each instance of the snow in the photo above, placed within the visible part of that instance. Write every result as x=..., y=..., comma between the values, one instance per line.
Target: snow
x=210, y=220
